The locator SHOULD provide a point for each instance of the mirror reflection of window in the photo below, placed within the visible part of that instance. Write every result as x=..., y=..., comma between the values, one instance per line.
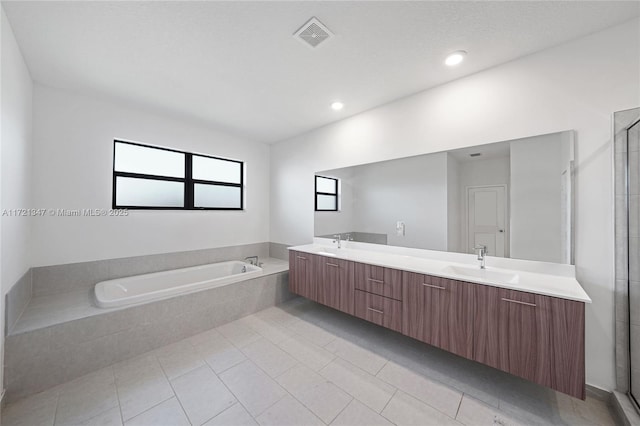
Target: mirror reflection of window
x=326, y=194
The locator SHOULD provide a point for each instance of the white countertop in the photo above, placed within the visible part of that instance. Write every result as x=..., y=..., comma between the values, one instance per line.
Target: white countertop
x=561, y=285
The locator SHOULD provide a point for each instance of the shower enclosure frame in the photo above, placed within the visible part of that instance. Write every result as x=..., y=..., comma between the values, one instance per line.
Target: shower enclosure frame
x=627, y=175
x=625, y=403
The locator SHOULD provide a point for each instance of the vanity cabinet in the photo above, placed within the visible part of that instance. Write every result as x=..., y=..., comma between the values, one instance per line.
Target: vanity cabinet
x=439, y=311
x=539, y=338
x=335, y=283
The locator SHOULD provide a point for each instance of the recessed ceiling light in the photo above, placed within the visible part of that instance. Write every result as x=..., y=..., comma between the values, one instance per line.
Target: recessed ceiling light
x=455, y=58
x=337, y=106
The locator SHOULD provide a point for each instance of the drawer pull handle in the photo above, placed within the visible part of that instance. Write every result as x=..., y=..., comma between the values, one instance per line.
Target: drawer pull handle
x=519, y=302
x=434, y=286
x=375, y=310
x=375, y=281
x=332, y=264
x=301, y=257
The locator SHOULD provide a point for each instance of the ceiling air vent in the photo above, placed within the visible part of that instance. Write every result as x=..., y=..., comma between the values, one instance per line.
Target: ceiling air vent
x=313, y=33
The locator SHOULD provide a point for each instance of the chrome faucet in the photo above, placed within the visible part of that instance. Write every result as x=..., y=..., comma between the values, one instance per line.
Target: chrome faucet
x=337, y=239
x=482, y=252
x=252, y=260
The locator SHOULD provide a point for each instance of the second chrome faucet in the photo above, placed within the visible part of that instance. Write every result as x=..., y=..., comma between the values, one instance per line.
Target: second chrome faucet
x=482, y=252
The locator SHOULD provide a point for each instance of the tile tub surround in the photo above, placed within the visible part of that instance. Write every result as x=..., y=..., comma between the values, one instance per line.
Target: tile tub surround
x=17, y=300
x=77, y=276
x=279, y=251
x=63, y=336
x=301, y=363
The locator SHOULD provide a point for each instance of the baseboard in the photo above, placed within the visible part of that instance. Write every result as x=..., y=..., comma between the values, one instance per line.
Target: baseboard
x=598, y=393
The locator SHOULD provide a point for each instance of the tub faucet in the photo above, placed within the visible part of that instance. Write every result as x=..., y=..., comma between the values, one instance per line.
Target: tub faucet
x=252, y=260
x=337, y=239
x=482, y=252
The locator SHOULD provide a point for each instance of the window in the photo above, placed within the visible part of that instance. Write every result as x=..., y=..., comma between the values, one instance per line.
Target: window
x=326, y=194
x=148, y=177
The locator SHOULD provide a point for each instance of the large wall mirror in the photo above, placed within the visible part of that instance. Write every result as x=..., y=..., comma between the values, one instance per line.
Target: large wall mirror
x=513, y=197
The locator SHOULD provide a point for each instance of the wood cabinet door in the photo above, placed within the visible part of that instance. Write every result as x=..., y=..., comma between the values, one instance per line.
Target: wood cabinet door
x=301, y=276
x=439, y=311
x=335, y=285
x=513, y=333
x=525, y=335
x=567, y=347
x=385, y=282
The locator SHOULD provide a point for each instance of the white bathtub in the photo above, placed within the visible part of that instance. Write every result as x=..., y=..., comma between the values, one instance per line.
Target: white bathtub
x=161, y=285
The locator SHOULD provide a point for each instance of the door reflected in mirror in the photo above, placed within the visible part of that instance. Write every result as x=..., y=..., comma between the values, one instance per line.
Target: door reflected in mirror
x=513, y=197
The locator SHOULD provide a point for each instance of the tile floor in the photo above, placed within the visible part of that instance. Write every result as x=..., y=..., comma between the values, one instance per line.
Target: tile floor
x=301, y=363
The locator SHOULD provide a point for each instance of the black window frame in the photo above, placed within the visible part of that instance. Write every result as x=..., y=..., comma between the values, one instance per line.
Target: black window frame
x=315, y=180
x=188, y=180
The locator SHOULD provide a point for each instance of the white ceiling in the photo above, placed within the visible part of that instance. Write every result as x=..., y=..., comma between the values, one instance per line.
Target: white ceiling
x=235, y=65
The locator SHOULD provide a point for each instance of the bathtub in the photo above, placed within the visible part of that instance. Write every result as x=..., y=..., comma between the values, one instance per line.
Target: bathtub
x=161, y=285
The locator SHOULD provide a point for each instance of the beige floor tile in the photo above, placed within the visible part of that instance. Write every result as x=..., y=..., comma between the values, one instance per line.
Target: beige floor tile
x=202, y=394
x=405, y=410
x=323, y=398
x=255, y=390
x=307, y=353
x=428, y=391
x=167, y=413
x=594, y=410
x=111, y=417
x=179, y=358
x=80, y=404
x=311, y=332
x=140, y=365
x=217, y=351
x=234, y=416
x=267, y=329
x=475, y=413
x=288, y=412
x=276, y=315
x=358, y=414
x=142, y=389
x=368, y=389
x=273, y=360
x=35, y=410
x=238, y=333
x=363, y=358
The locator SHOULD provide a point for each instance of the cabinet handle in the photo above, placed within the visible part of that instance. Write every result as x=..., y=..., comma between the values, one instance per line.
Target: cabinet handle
x=375, y=310
x=301, y=257
x=375, y=281
x=519, y=302
x=332, y=264
x=434, y=286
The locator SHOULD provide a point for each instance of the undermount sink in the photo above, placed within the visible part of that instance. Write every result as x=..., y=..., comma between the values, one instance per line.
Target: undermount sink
x=328, y=251
x=485, y=274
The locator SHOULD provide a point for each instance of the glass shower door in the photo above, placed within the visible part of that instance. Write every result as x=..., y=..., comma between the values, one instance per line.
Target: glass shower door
x=633, y=226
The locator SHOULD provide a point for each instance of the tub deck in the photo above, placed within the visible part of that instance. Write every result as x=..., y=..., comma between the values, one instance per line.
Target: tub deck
x=48, y=310
x=62, y=336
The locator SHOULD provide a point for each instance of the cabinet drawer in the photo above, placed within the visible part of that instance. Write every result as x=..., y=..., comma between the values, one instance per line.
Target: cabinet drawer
x=378, y=280
x=379, y=310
